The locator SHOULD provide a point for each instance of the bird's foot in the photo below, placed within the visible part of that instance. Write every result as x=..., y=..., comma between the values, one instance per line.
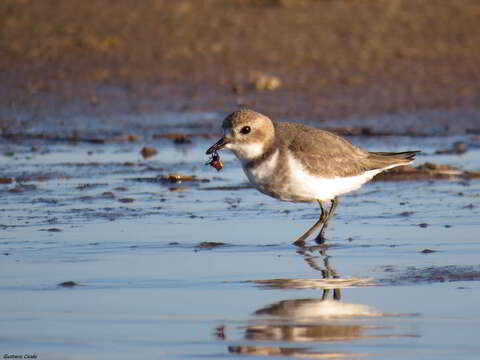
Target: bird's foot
x=320, y=239
x=299, y=243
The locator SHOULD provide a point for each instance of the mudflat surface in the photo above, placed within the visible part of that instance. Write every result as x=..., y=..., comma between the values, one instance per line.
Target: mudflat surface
x=117, y=242
x=105, y=254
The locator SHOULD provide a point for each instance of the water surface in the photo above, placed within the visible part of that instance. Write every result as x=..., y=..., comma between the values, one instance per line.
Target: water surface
x=99, y=215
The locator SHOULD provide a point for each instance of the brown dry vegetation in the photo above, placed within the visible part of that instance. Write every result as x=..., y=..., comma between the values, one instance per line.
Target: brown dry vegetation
x=333, y=57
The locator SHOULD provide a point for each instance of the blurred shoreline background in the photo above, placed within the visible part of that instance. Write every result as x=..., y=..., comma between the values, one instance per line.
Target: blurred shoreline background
x=321, y=59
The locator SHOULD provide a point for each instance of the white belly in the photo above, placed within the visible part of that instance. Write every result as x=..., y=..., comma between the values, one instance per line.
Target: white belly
x=304, y=184
x=300, y=185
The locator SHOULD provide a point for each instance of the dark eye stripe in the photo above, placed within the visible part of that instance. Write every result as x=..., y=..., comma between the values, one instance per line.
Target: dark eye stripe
x=245, y=130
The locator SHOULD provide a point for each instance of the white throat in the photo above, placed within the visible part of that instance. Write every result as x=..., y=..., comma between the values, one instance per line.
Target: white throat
x=246, y=151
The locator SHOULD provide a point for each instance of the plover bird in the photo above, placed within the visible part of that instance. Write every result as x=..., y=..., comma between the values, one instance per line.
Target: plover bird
x=298, y=163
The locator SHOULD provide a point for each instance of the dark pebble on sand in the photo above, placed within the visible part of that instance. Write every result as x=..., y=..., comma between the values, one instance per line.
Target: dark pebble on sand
x=23, y=188
x=148, y=152
x=220, y=332
x=459, y=147
x=209, y=245
x=427, y=251
x=45, y=201
x=89, y=186
x=182, y=141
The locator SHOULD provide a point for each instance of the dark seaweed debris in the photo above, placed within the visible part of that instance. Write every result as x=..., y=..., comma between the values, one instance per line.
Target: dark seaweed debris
x=427, y=171
x=68, y=284
x=210, y=245
x=432, y=274
x=172, y=178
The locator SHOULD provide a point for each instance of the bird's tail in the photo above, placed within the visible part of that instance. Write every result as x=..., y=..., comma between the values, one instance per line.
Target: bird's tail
x=387, y=160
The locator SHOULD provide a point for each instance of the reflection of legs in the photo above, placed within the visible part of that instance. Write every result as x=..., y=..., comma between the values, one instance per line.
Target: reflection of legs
x=327, y=271
x=301, y=240
x=320, y=239
x=331, y=273
x=337, y=294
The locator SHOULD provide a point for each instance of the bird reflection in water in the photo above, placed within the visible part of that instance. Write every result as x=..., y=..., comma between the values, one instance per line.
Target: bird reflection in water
x=329, y=280
x=310, y=320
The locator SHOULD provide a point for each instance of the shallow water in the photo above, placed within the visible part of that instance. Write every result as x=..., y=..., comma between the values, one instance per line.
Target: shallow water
x=99, y=215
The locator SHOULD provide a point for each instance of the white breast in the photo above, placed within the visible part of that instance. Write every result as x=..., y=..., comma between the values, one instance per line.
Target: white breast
x=264, y=173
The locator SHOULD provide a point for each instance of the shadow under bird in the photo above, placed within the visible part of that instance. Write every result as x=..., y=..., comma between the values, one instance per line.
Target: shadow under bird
x=298, y=163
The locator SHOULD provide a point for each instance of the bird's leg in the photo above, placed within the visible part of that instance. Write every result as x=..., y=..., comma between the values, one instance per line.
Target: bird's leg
x=301, y=240
x=323, y=213
x=320, y=239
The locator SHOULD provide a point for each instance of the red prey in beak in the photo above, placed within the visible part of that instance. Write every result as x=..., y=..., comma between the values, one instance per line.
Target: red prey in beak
x=214, y=160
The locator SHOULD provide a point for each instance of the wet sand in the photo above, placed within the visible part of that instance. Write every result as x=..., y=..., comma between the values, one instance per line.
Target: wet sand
x=117, y=242
x=105, y=254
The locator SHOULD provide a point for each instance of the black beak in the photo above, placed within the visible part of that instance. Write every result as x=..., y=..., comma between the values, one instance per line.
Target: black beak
x=217, y=146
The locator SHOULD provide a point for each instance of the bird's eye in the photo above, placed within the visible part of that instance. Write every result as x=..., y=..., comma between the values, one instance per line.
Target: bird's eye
x=245, y=130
